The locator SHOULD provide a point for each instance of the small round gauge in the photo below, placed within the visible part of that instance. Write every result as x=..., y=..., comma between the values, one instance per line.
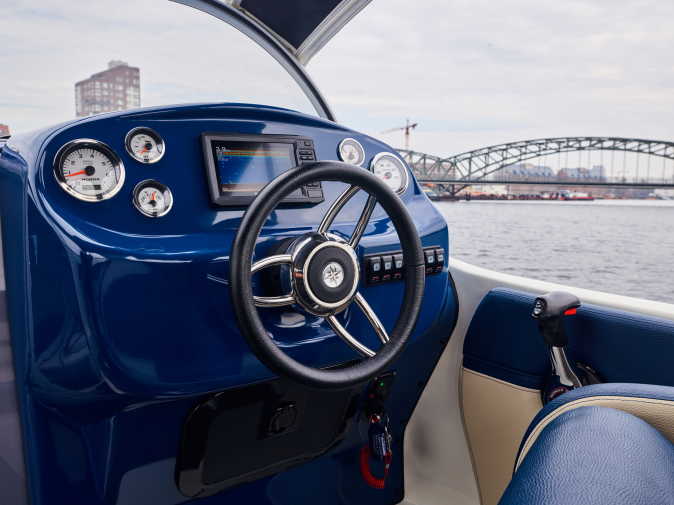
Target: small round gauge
x=89, y=170
x=390, y=169
x=350, y=151
x=145, y=145
x=152, y=198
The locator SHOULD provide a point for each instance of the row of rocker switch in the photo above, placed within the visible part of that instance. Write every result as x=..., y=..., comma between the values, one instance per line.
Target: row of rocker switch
x=389, y=266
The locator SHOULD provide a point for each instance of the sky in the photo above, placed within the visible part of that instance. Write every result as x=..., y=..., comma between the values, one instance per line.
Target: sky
x=472, y=73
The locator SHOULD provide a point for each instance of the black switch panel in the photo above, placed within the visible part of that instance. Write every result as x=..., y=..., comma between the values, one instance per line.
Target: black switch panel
x=388, y=266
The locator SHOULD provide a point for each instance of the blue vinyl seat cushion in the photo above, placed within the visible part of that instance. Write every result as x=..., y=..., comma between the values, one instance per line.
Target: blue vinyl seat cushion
x=595, y=455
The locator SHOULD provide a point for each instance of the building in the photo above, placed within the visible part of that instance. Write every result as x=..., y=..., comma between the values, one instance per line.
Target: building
x=4, y=130
x=117, y=88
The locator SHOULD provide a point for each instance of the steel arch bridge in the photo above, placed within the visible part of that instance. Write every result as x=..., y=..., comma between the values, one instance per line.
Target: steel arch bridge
x=482, y=165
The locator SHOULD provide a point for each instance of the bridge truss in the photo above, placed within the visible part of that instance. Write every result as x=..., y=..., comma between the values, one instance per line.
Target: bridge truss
x=482, y=165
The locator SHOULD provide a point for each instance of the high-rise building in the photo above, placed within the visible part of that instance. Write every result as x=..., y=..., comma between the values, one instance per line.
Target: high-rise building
x=4, y=130
x=117, y=88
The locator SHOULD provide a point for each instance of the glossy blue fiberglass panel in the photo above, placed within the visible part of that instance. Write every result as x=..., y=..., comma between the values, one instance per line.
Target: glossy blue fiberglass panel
x=121, y=323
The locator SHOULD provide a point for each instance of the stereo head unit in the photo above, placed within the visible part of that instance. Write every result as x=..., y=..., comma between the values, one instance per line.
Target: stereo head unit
x=238, y=166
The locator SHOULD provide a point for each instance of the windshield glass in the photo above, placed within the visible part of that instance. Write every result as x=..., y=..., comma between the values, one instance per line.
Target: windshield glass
x=139, y=52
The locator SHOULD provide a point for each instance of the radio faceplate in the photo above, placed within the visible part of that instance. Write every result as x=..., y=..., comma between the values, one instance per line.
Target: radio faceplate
x=238, y=166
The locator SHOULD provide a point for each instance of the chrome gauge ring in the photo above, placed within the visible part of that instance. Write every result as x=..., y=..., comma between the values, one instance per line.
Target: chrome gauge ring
x=390, y=168
x=145, y=145
x=89, y=170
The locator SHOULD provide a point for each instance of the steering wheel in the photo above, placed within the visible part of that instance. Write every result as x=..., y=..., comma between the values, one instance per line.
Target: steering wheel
x=323, y=275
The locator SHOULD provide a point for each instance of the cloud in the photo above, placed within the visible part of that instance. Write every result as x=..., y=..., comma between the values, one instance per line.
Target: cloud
x=471, y=72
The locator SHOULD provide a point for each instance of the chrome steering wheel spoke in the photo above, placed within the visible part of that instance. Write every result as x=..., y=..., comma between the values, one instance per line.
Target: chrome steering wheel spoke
x=339, y=204
x=362, y=221
x=348, y=338
x=272, y=301
x=371, y=316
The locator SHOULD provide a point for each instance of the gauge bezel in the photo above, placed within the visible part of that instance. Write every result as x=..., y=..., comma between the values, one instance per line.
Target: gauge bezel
x=148, y=131
x=168, y=196
x=358, y=144
x=102, y=147
x=406, y=178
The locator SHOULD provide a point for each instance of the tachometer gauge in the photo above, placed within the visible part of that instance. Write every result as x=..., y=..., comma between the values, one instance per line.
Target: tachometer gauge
x=390, y=169
x=145, y=145
x=152, y=198
x=350, y=151
x=89, y=170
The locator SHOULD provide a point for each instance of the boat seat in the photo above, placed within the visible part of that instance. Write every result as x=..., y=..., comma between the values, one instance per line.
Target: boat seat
x=609, y=444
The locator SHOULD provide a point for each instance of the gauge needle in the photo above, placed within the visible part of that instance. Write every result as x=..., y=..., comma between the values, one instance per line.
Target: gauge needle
x=154, y=196
x=77, y=173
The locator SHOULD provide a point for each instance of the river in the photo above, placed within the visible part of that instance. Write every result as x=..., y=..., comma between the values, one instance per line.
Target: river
x=619, y=246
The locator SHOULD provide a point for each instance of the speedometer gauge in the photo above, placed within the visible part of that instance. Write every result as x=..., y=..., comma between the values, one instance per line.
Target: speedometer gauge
x=89, y=170
x=390, y=169
x=145, y=145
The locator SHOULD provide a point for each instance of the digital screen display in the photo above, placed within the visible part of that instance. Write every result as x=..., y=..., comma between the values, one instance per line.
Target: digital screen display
x=244, y=168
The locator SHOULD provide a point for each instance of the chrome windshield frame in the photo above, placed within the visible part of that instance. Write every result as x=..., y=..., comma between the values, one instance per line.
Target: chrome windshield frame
x=271, y=43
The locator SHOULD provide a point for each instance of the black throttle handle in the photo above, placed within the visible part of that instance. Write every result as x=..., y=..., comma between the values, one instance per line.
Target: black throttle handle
x=549, y=310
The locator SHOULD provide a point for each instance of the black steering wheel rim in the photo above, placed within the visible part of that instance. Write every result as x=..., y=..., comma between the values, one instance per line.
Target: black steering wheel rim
x=241, y=291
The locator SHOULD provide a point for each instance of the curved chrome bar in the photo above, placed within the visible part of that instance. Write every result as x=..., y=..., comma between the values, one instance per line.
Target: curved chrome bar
x=362, y=221
x=270, y=42
x=372, y=317
x=271, y=261
x=336, y=206
x=272, y=301
x=346, y=337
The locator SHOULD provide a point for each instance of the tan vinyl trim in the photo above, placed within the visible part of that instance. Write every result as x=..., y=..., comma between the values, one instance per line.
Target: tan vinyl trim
x=496, y=415
x=658, y=413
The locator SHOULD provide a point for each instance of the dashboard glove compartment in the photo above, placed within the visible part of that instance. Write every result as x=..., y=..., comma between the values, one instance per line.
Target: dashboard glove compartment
x=248, y=433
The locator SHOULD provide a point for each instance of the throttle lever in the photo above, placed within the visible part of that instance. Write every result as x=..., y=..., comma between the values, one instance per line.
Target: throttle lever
x=549, y=310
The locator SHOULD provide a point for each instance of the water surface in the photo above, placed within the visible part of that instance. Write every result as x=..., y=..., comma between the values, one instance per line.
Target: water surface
x=619, y=246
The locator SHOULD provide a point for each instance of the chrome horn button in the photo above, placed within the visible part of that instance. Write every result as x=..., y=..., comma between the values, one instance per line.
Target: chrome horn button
x=333, y=274
x=324, y=273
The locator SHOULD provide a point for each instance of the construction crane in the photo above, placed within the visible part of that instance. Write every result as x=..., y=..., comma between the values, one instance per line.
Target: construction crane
x=407, y=129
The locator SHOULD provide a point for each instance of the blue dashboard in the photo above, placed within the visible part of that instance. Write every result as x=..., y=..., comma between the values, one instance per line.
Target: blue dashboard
x=121, y=322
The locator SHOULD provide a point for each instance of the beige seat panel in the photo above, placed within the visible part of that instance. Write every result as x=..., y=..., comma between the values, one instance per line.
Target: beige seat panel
x=496, y=416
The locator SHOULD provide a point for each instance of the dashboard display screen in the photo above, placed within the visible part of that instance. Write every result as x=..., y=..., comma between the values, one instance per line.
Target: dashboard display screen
x=239, y=165
x=244, y=168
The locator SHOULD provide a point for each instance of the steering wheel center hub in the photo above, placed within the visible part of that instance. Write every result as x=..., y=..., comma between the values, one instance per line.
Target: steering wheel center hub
x=325, y=273
x=333, y=275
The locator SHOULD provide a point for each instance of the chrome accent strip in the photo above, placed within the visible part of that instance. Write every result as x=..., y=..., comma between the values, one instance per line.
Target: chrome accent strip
x=336, y=206
x=372, y=317
x=328, y=28
x=362, y=221
x=406, y=176
x=270, y=261
x=273, y=301
x=346, y=337
x=273, y=44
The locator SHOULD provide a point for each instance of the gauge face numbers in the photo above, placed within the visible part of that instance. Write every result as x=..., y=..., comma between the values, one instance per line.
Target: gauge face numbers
x=350, y=151
x=145, y=145
x=152, y=198
x=390, y=169
x=89, y=170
